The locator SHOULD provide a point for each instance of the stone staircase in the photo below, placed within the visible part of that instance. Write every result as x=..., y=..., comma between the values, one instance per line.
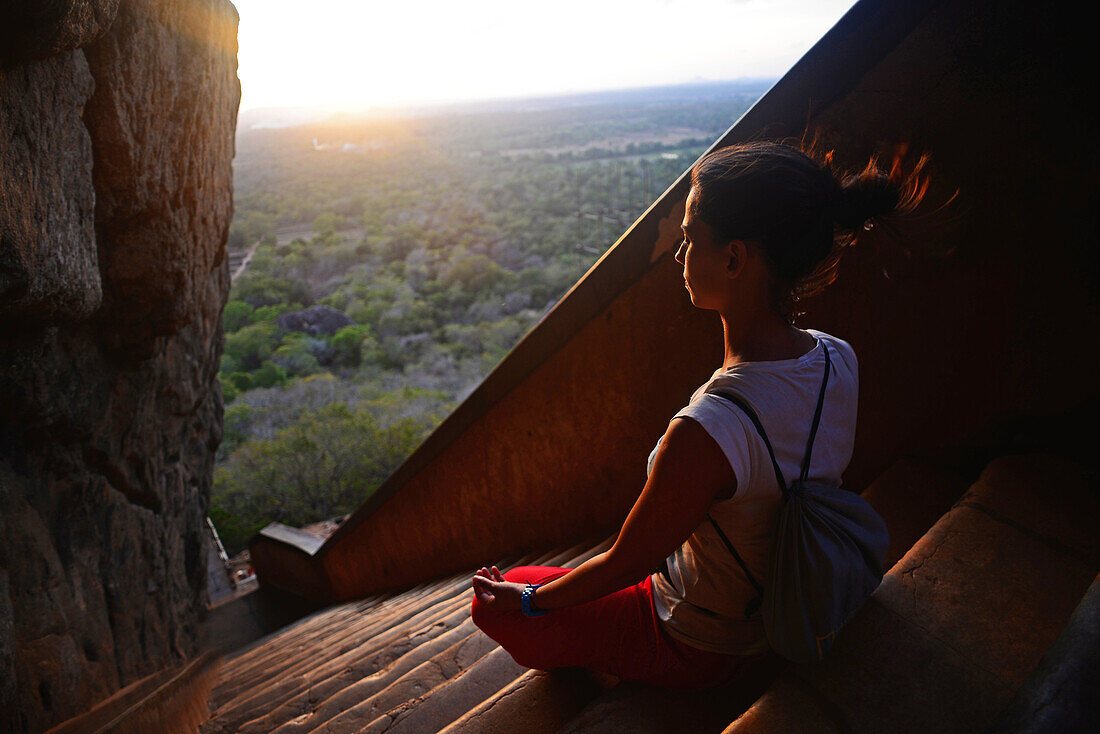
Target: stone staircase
x=983, y=587
x=961, y=621
x=404, y=662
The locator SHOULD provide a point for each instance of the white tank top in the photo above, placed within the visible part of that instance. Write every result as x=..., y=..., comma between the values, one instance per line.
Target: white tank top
x=702, y=593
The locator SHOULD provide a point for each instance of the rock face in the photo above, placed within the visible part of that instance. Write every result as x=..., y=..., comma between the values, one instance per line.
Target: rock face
x=48, y=265
x=116, y=142
x=315, y=320
x=48, y=27
x=161, y=218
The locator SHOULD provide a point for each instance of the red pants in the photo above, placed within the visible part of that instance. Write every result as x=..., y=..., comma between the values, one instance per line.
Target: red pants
x=618, y=634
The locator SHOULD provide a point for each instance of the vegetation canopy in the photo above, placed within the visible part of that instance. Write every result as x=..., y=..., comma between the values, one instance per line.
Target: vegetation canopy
x=433, y=243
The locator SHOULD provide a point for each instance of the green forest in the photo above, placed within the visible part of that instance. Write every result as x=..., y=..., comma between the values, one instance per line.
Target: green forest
x=390, y=262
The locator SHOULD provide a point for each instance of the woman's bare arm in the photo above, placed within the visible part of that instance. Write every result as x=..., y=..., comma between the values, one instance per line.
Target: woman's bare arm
x=689, y=473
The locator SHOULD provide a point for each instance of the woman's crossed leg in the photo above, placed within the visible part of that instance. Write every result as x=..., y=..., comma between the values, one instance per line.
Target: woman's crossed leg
x=618, y=634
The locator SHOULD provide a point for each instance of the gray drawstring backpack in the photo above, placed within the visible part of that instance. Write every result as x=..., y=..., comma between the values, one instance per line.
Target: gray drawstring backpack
x=827, y=558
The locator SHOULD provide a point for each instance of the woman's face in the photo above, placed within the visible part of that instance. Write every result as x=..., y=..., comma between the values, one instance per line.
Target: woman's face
x=705, y=261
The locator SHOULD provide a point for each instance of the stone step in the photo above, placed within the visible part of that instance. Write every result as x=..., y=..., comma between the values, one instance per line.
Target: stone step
x=536, y=702
x=911, y=496
x=370, y=649
x=642, y=709
x=251, y=666
x=1060, y=694
x=412, y=688
x=299, y=695
x=450, y=700
x=315, y=708
x=960, y=622
x=337, y=626
x=361, y=655
x=323, y=693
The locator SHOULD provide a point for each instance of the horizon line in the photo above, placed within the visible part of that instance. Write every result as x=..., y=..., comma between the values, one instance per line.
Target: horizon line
x=428, y=103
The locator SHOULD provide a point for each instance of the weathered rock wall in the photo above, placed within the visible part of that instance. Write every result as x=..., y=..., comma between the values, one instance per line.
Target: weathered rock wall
x=116, y=144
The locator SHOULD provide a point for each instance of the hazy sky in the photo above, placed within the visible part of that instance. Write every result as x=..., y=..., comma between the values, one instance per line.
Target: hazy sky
x=358, y=53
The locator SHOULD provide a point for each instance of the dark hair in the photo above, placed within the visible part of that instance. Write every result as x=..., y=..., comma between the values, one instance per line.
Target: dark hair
x=802, y=211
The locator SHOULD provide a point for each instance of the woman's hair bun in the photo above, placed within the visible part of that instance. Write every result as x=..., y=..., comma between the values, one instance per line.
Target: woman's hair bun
x=865, y=196
x=873, y=193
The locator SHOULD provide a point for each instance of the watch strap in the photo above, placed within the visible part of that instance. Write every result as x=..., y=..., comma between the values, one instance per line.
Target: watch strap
x=527, y=602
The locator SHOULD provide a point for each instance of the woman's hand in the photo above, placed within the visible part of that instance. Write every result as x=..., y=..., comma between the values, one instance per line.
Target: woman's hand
x=494, y=592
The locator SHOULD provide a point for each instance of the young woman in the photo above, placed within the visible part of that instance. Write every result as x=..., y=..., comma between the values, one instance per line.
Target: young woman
x=764, y=226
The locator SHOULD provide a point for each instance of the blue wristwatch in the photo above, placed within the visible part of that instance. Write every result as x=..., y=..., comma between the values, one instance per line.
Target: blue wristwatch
x=527, y=602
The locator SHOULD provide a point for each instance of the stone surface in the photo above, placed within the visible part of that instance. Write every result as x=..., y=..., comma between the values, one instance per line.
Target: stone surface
x=443, y=703
x=161, y=217
x=536, y=702
x=885, y=660
x=1060, y=694
x=911, y=496
x=1064, y=517
x=787, y=708
x=633, y=707
x=48, y=27
x=998, y=577
x=412, y=661
x=315, y=320
x=106, y=452
x=48, y=265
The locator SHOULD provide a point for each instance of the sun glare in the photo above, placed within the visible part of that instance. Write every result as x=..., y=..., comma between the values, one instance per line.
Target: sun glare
x=349, y=54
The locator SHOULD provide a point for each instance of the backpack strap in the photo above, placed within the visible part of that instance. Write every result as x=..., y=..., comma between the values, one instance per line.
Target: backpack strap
x=759, y=429
x=737, y=556
x=817, y=416
x=764, y=434
x=754, y=604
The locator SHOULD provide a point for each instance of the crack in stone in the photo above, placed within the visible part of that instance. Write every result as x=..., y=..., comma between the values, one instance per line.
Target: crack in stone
x=948, y=535
x=512, y=691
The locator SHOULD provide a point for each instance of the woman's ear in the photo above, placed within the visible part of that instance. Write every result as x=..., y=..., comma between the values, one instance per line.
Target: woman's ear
x=738, y=253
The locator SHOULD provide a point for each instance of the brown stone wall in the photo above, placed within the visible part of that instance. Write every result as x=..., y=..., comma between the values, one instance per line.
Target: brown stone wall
x=116, y=142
